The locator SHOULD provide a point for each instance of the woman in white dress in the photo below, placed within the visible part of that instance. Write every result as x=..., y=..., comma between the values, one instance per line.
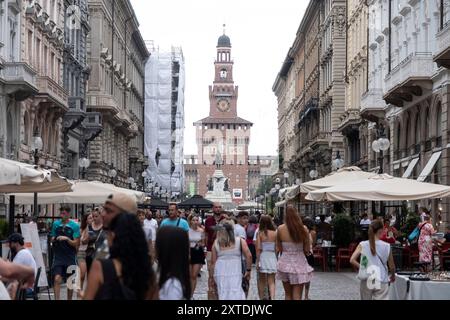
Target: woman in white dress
x=226, y=259
x=266, y=259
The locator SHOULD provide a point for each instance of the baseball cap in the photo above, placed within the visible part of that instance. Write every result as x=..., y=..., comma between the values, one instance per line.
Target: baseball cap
x=15, y=237
x=123, y=201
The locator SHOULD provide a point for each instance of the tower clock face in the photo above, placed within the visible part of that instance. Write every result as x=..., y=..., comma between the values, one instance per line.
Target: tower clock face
x=223, y=105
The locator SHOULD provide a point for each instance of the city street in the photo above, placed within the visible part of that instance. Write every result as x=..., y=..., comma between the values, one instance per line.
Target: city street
x=325, y=286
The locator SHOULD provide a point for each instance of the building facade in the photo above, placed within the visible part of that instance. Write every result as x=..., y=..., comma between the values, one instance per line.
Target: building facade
x=353, y=128
x=79, y=126
x=164, y=133
x=310, y=88
x=116, y=56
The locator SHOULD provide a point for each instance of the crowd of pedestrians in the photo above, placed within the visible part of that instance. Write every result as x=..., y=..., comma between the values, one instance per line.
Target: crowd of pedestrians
x=121, y=252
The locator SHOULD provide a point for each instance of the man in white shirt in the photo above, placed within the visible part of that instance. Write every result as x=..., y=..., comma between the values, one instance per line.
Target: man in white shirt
x=365, y=220
x=239, y=228
x=151, y=223
x=21, y=256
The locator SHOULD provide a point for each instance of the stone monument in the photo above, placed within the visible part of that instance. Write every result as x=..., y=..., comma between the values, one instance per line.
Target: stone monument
x=218, y=186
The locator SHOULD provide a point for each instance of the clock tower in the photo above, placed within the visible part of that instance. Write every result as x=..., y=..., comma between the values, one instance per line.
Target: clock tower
x=223, y=93
x=223, y=132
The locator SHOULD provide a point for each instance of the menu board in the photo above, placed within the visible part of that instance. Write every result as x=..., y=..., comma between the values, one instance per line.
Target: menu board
x=33, y=243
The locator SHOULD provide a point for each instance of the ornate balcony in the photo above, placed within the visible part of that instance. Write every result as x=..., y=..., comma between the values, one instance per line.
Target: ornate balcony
x=442, y=55
x=92, y=124
x=76, y=114
x=311, y=106
x=373, y=105
x=102, y=103
x=51, y=90
x=20, y=79
x=409, y=78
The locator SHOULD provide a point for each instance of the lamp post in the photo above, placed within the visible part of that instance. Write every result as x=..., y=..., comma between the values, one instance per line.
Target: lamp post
x=337, y=163
x=131, y=182
x=313, y=174
x=112, y=173
x=380, y=145
x=37, y=146
x=286, y=179
x=84, y=163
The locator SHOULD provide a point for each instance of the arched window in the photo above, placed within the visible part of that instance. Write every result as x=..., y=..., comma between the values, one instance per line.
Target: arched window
x=26, y=125
x=407, y=135
x=439, y=120
x=417, y=130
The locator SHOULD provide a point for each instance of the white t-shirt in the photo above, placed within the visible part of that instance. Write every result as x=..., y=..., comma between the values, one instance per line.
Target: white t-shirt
x=380, y=260
x=171, y=290
x=4, y=295
x=148, y=233
x=255, y=237
x=239, y=231
x=153, y=225
x=25, y=258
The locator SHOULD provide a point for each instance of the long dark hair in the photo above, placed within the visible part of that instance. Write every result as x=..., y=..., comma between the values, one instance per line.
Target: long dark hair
x=84, y=218
x=130, y=248
x=266, y=224
x=374, y=227
x=295, y=227
x=172, y=249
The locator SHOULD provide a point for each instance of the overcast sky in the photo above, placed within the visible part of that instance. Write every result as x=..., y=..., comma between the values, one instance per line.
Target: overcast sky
x=261, y=33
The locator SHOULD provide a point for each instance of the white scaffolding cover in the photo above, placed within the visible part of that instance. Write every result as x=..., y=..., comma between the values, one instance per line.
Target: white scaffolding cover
x=161, y=95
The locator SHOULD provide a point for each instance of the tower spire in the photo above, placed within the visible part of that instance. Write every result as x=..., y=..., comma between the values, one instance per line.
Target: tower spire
x=224, y=25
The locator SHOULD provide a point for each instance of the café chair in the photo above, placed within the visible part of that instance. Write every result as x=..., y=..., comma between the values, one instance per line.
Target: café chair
x=344, y=255
x=318, y=256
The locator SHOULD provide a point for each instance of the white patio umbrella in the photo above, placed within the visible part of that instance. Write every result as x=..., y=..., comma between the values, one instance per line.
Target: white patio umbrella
x=84, y=192
x=344, y=175
x=18, y=177
x=381, y=187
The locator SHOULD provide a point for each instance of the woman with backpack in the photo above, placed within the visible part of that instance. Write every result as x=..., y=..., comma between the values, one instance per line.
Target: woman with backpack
x=375, y=261
x=127, y=274
x=251, y=228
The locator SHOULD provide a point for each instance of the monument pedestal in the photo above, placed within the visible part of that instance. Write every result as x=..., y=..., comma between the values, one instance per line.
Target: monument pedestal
x=219, y=194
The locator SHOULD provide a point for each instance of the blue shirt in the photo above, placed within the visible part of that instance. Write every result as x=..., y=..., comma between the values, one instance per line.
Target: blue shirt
x=64, y=253
x=174, y=223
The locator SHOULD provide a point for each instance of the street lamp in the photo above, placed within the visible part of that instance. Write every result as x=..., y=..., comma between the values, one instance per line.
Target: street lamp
x=131, y=182
x=298, y=181
x=112, y=173
x=337, y=163
x=84, y=163
x=313, y=174
x=380, y=145
x=37, y=146
x=286, y=179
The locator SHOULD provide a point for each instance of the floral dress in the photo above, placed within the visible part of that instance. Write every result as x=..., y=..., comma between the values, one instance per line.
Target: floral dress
x=426, y=242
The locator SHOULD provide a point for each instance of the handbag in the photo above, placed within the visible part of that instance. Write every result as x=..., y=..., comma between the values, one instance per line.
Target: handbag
x=310, y=259
x=245, y=282
x=415, y=234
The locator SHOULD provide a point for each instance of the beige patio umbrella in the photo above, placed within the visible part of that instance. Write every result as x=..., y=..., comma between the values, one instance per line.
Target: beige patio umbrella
x=344, y=175
x=18, y=177
x=381, y=187
x=83, y=192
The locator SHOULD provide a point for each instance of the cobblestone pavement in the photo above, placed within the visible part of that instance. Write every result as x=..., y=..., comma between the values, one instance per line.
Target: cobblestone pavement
x=324, y=286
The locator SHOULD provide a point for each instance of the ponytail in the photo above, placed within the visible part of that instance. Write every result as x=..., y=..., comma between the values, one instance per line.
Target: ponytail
x=374, y=227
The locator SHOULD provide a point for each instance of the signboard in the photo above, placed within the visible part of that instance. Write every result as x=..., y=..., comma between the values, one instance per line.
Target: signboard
x=33, y=243
x=237, y=193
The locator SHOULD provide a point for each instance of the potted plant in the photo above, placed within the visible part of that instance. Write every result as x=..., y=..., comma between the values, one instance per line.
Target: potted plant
x=343, y=230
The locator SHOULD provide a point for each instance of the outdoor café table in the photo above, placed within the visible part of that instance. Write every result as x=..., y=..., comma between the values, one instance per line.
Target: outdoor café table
x=405, y=289
x=327, y=251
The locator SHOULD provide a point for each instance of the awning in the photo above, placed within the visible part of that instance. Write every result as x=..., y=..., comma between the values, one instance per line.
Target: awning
x=410, y=168
x=429, y=167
